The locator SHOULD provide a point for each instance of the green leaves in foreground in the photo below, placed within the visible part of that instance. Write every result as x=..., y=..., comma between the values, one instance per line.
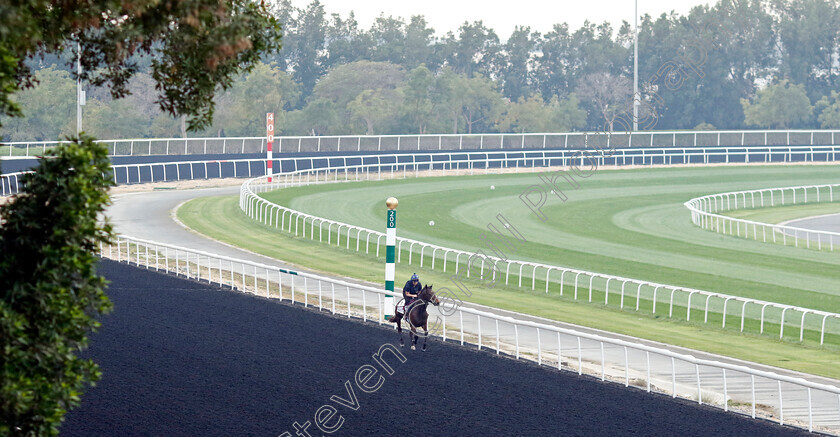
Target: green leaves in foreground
x=195, y=46
x=50, y=294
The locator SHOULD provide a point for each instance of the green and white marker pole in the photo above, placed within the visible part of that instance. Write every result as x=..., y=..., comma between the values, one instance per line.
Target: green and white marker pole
x=390, y=253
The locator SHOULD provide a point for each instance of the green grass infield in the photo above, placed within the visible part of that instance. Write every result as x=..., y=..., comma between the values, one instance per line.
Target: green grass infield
x=630, y=223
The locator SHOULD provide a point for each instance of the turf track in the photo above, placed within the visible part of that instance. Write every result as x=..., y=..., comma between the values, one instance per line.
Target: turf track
x=629, y=222
x=619, y=222
x=181, y=358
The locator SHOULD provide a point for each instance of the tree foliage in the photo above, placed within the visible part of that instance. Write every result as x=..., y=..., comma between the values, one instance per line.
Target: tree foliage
x=195, y=46
x=694, y=69
x=49, y=109
x=533, y=115
x=609, y=95
x=782, y=105
x=808, y=38
x=265, y=89
x=417, y=105
x=362, y=91
x=50, y=294
x=713, y=56
x=526, y=115
x=828, y=110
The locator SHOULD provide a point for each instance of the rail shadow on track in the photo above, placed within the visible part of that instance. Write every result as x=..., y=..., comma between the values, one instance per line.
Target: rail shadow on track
x=184, y=358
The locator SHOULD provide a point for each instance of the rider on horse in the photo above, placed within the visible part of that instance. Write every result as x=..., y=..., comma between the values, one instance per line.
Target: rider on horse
x=412, y=287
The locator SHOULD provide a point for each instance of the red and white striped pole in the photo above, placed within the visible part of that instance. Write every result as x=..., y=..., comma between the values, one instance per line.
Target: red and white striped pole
x=269, y=132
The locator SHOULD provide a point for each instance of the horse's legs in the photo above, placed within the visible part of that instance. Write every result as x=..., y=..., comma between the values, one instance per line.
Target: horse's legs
x=426, y=337
x=407, y=317
x=413, y=333
x=399, y=328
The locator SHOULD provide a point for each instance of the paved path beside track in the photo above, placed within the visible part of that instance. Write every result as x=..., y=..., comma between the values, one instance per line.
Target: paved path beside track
x=823, y=223
x=828, y=222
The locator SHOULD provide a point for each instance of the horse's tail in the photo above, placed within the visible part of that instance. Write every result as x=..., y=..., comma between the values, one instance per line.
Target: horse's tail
x=392, y=319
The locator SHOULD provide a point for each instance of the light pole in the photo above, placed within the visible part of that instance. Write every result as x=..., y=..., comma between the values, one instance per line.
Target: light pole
x=80, y=94
x=636, y=67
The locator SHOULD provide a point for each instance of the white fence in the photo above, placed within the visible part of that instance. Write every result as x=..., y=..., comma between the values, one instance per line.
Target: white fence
x=704, y=214
x=786, y=400
x=346, y=143
x=162, y=172
x=144, y=172
x=752, y=314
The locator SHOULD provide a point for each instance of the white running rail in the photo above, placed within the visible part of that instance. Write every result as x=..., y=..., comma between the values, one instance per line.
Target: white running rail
x=144, y=172
x=705, y=209
x=641, y=294
x=784, y=399
x=347, y=143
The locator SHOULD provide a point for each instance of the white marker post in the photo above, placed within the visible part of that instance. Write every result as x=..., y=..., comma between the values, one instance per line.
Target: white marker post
x=390, y=252
x=269, y=132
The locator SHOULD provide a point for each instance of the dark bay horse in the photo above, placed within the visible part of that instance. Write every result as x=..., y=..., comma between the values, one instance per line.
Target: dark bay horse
x=417, y=316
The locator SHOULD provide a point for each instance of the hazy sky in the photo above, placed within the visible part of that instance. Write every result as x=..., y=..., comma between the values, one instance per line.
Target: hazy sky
x=541, y=15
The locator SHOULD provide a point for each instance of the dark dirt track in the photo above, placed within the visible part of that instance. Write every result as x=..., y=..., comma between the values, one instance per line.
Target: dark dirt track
x=181, y=358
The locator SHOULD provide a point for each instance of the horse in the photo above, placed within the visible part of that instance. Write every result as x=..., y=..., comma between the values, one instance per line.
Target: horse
x=417, y=316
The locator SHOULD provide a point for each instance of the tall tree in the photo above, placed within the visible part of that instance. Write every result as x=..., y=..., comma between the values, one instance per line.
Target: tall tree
x=388, y=36
x=808, y=40
x=305, y=48
x=285, y=13
x=553, y=70
x=664, y=78
x=345, y=42
x=595, y=51
x=516, y=68
x=744, y=31
x=474, y=50
x=420, y=44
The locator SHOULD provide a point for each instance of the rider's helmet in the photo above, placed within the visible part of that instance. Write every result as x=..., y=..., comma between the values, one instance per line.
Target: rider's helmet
x=414, y=277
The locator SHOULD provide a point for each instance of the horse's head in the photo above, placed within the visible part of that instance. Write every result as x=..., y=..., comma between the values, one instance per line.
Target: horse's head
x=428, y=295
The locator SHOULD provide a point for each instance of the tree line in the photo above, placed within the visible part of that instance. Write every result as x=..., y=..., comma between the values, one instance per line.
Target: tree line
x=764, y=64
